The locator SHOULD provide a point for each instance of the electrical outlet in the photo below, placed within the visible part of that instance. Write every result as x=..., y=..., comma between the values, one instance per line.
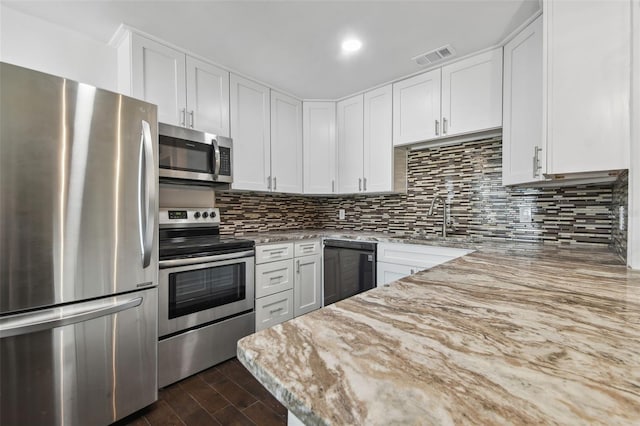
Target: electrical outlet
x=341, y=214
x=622, y=224
x=525, y=214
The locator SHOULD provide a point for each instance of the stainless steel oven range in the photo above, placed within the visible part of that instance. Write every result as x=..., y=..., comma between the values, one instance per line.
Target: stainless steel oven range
x=206, y=293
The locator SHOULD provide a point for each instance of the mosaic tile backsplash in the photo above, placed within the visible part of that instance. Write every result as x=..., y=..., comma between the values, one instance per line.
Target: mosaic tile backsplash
x=468, y=175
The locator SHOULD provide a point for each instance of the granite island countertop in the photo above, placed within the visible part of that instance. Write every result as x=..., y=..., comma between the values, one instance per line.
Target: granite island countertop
x=521, y=334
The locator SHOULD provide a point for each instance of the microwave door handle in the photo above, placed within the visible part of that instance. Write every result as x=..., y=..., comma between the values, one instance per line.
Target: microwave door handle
x=216, y=157
x=146, y=194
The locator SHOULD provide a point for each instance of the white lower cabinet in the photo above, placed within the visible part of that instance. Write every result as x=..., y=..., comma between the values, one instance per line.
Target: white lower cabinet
x=307, y=289
x=397, y=260
x=274, y=309
x=390, y=272
x=288, y=281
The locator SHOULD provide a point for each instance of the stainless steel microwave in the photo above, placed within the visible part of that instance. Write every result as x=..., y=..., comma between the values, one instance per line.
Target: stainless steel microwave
x=186, y=154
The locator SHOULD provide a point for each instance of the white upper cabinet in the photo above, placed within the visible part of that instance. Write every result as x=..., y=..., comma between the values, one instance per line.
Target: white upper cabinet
x=207, y=97
x=158, y=77
x=251, y=131
x=378, y=143
x=472, y=94
x=286, y=143
x=588, y=56
x=189, y=92
x=416, y=108
x=461, y=98
x=350, y=124
x=522, y=137
x=319, y=147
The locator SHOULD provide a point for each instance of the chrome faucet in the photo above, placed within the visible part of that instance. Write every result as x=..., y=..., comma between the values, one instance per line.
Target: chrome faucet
x=444, y=213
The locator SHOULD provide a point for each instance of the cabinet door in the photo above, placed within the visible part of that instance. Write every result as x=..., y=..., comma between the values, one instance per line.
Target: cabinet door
x=416, y=108
x=472, y=94
x=307, y=289
x=588, y=85
x=350, y=144
x=286, y=143
x=378, y=143
x=251, y=133
x=522, y=137
x=389, y=272
x=158, y=77
x=319, y=147
x=207, y=97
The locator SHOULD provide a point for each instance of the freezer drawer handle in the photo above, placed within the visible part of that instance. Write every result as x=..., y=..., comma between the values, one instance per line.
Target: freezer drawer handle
x=32, y=322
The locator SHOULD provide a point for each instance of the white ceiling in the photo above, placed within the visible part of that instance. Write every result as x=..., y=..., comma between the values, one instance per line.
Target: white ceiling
x=295, y=45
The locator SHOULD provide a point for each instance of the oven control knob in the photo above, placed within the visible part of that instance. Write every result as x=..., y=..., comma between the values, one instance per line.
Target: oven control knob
x=196, y=215
x=212, y=214
x=205, y=215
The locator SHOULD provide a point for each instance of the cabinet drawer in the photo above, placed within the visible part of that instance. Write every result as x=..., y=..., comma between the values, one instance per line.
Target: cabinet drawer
x=274, y=309
x=306, y=248
x=274, y=277
x=273, y=252
x=417, y=255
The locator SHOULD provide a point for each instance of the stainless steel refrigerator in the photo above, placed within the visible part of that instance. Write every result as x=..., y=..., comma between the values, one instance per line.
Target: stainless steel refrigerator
x=78, y=251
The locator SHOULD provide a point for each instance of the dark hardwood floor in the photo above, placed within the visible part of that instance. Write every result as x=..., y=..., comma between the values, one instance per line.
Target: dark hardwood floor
x=226, y=394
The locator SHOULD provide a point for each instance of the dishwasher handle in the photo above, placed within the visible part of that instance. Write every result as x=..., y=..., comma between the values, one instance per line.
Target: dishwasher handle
x=350, y=244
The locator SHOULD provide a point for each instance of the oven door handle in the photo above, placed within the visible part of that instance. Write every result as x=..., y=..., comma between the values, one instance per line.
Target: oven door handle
x=172, y=263
x=215, y=157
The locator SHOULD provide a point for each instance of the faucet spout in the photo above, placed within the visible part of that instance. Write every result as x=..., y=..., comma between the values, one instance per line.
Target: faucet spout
x=433, y=202
x=444, y=213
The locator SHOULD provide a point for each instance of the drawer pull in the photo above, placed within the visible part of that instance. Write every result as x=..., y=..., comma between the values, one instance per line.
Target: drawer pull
x=273, y=311
x=276, y=278
x=275, y=252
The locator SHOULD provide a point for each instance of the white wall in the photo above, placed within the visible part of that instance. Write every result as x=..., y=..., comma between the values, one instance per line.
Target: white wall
x=34, y=43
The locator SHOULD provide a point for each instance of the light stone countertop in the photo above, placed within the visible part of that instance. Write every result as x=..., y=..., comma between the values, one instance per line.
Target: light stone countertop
x=509, y=334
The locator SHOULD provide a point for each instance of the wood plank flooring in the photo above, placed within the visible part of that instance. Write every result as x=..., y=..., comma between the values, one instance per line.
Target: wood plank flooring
x=226, y=394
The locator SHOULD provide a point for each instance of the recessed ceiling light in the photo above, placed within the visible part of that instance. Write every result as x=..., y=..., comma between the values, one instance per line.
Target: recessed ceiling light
x=351, y=45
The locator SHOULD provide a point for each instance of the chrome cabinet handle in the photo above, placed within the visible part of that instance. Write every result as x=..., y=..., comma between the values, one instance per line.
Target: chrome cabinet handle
x=31, y=322
x=191, y=121
x=297, y=266
x=364, y=184
x=536, y=161
x=275, y=183
x=445, y=128
x=333, y=185
x=183, y=114
x=273, y=311
x=269, y=182
x=359, y=184
x=147, y=194
x=437, y=128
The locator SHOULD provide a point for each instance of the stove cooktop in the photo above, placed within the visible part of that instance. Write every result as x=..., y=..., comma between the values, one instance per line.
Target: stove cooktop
x=178, y=244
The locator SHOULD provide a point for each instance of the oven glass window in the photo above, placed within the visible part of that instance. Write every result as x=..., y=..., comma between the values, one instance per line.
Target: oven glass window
x=178, y=154
x=193, y=291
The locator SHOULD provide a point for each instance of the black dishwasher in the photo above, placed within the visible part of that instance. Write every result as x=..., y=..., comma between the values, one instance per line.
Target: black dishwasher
x=349, y=268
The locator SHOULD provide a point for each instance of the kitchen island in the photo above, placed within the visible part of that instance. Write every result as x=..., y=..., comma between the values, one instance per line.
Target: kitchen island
x=509, y=334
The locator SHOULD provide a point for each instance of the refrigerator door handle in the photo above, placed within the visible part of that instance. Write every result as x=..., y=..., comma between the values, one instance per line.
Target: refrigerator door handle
x=16, y=325
x=146, y=202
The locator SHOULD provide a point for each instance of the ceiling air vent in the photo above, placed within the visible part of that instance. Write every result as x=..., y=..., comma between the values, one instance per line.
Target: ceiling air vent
x=436, y=55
